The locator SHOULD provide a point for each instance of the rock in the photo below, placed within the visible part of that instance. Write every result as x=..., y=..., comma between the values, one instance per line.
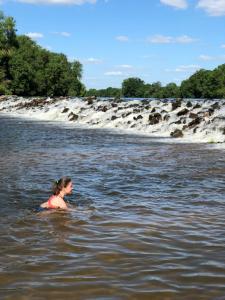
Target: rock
x=177, y=122
x=114, y=104
x=155, y=118
x=90, y=99
x=126, y=114
x=177, y=133
x=197, y=106
x=182, y=112
x=193, y=115
x=153, y=110
x=65, y=110
x=195, y=122
x=133, y=105
x=166, y=117
x=145, y=102
x=189, y=104
x=176, y=104
x=138, y=118
x=136, y=111
x=73, y=117
x=113, y=118
x=102, y=108
x=215, y=106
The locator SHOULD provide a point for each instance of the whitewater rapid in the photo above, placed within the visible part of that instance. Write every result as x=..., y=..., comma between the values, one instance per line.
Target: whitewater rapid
x=180, y=120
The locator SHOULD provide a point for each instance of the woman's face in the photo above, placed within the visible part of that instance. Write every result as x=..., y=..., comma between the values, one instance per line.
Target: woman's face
x=69, y=188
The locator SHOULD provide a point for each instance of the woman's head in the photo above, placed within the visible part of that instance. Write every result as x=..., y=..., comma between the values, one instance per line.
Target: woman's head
x=63, y=184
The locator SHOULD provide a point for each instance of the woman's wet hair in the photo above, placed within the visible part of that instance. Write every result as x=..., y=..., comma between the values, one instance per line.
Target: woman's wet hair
x=60, y=184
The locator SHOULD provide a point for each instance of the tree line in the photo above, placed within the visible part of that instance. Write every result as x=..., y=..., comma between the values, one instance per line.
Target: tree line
x=202, y=84
x=27, y=69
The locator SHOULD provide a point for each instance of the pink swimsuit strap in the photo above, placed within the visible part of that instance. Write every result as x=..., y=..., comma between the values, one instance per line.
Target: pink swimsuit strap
x=49, y=202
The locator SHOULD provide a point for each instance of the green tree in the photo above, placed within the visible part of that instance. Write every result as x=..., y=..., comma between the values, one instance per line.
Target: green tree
x=133, y=87
x=8, y=44
x=171, y=90
x=197, y=85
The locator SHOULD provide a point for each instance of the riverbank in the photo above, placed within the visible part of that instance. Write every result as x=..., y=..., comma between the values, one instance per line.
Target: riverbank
x=183, y=120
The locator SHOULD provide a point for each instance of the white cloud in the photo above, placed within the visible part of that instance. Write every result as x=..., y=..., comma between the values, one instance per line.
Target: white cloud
x=161, y=39
x=34, y=35
x=122, y=38
x=62, y=33
x=73, y=2
x=184, y=69
x=125, y=66
x=206, y=57
x=212, y=7
x=113, y=73
x=222, y=46
x=92, y=60
x=184, y=39
x=181, y=4
x=187, y=68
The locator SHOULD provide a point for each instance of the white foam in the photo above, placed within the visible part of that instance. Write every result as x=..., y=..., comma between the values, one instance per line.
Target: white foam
x=128, y=116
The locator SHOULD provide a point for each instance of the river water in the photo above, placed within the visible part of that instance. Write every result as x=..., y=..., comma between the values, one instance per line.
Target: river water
x=147, y=218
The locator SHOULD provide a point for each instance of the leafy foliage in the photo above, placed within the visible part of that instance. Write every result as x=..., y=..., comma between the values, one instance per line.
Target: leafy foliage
x=26, y=69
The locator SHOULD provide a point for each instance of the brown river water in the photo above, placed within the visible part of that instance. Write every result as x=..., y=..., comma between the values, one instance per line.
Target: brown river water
x=147, y=217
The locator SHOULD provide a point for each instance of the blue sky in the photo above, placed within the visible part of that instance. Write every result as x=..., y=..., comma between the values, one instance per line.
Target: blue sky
x=155, y=40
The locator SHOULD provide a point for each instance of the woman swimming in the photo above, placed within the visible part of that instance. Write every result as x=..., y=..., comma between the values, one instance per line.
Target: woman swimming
x=61, y=188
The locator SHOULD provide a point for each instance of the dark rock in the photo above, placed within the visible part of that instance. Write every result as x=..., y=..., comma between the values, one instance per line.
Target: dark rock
x=138, y=118
x=193, y=115
x=145, y=102
x=155, y=118
x=65, y=110
x=195, y=122
x=113, y=118
x=153, y=110
x=136, y=111
x=177, y=122
x=177, y=133
x=166, y=117
x=114, y=104
x=176, y=104
x=197, y=106
x=215, y=106
x=73, y=117
x=126, y=114
x=189, y=104
x=182, y=112
x=195, y=129
x=147, y=107
x=102, y=108
x=134, y=105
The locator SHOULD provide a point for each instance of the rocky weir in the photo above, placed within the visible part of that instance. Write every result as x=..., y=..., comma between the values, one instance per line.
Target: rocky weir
x=181, y=119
